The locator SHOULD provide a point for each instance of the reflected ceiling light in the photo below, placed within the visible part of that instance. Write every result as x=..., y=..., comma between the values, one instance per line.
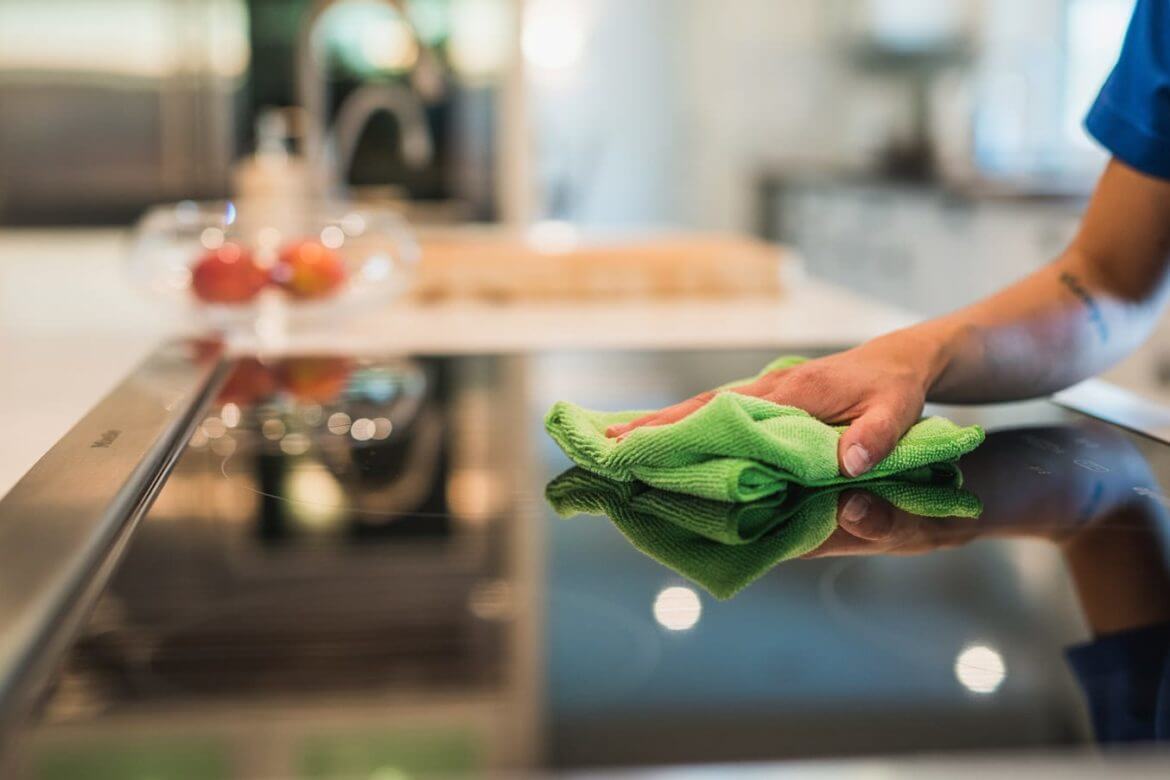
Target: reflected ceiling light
x=230, y=414
x=382, y=428
x=362, y=429
x=553, y=37
x=338, y=423
x=980, y=669
x=677, y=608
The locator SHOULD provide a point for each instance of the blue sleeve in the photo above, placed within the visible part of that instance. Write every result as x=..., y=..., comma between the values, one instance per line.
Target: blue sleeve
x=1131, y=116
x=1126, y=681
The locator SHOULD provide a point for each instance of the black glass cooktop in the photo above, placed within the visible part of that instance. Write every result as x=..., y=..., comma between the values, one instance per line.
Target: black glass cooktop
x=354, y=572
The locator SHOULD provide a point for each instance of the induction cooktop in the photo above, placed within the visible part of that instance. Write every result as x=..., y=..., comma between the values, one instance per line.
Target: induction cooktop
x=354, y=569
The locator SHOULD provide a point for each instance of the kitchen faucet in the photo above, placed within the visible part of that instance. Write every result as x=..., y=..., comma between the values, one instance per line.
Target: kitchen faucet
x=330, y=153
x=355, y=112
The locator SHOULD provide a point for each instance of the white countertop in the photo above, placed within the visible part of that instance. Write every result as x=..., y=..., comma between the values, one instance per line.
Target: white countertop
x=71, y=327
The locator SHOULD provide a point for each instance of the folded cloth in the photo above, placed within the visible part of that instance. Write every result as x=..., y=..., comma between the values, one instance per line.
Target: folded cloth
x=724, y=547
x=740, y=448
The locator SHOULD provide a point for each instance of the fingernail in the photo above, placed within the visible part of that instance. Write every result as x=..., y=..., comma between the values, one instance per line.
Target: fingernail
x=856, y=460
x=855, y=509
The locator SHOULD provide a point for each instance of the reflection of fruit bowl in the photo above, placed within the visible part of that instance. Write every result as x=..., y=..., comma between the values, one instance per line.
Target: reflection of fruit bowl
x=295, y=402
x=227, y=260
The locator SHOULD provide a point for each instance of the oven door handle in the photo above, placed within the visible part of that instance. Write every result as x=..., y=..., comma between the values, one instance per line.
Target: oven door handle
x=66, y=523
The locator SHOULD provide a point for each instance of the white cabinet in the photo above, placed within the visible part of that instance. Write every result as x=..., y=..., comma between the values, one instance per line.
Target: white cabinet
x=930, y=251
x=920, y=248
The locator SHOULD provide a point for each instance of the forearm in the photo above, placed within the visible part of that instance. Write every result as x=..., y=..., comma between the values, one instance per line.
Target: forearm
x=1052, y=329
x=1071, y=319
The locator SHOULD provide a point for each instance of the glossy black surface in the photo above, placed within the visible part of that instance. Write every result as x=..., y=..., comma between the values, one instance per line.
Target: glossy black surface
x=312, y=599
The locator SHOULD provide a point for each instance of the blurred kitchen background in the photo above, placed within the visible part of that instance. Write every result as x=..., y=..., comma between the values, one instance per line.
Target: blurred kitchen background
x=362, y=526
x=921, y=152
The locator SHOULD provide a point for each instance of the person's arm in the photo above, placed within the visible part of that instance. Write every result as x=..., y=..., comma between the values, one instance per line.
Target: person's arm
x=1073, y=318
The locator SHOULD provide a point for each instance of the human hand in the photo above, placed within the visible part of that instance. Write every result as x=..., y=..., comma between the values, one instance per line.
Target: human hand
x=869, y=525
x=877, y=389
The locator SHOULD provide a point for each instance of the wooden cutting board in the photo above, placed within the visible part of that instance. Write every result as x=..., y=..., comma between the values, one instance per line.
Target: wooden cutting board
x=495, y=265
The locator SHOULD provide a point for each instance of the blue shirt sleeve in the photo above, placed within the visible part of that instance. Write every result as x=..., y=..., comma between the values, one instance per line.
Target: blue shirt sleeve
x=1131, y=116
x=1126, y=680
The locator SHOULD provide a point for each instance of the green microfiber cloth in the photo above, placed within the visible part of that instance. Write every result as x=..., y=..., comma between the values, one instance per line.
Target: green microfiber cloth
x=739, y=448
x=724, y=547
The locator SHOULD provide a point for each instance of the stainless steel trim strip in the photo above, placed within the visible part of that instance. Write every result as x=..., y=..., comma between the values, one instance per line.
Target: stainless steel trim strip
x=1105, y=401
x=64, y=526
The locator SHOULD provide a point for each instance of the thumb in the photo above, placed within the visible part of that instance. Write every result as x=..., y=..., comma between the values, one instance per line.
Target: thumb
x=872, y=436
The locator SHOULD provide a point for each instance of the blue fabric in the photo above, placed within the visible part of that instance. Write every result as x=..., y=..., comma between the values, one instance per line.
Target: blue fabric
x=1131, y=116
x=1126, y=680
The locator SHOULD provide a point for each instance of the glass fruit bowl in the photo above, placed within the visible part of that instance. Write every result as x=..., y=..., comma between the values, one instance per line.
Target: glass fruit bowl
x=230, y=261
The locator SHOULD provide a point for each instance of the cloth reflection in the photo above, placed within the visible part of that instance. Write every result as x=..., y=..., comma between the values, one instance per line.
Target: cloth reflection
x=1086, y=489
x=724, y=547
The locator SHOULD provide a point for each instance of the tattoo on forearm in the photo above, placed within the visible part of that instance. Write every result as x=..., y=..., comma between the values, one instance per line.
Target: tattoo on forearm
x=1095, y=316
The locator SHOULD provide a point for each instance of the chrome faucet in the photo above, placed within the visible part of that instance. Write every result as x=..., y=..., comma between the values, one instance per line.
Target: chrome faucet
x=330, y=153
x=357, y=109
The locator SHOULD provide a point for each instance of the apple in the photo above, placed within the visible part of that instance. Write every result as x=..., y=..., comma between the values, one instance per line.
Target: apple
x=250, y=381
x=228, y=274
x=309, y=269
x=316, y=378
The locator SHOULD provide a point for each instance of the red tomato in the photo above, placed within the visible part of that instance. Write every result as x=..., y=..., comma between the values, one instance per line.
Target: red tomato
x=316, y=379
x=227, y=275
x=309, y=269
x=250, y=381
